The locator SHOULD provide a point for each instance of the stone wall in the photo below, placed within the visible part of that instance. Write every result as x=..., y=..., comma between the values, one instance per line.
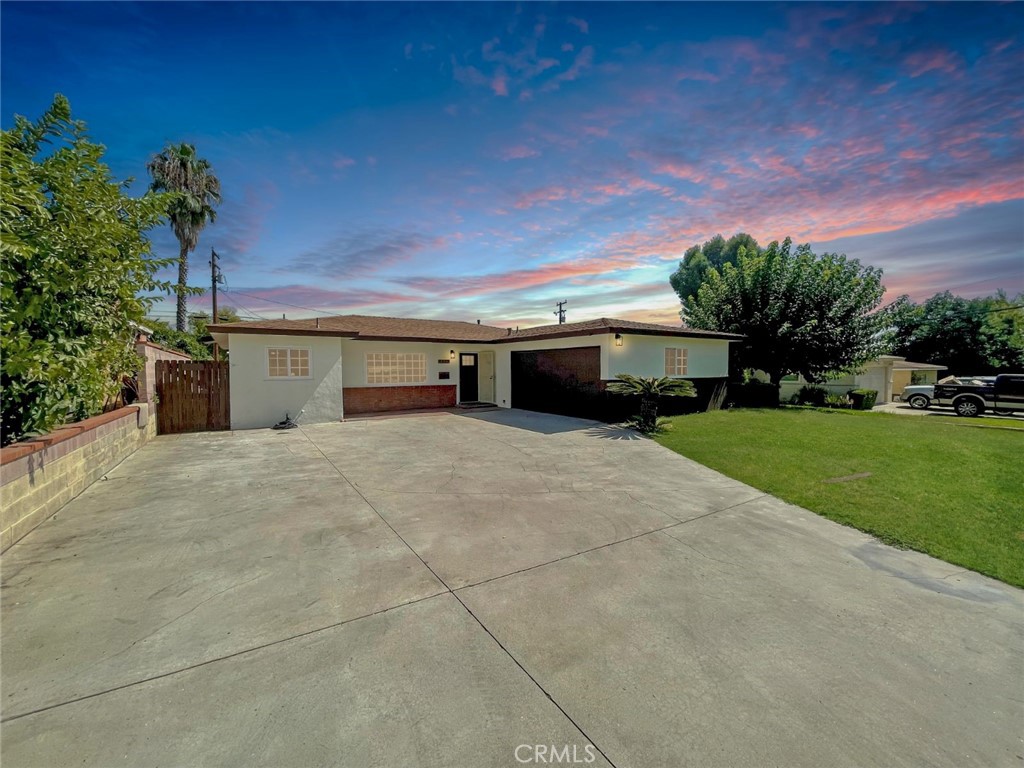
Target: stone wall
x=39, y=476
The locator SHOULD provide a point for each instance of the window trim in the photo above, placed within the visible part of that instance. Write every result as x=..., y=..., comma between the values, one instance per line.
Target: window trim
x=266, y=363
x=685, y=361
x=419, y=382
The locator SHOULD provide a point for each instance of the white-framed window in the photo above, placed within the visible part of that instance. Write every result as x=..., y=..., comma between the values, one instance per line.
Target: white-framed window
x=675, y=361
x=288, y=363
x=396, y=368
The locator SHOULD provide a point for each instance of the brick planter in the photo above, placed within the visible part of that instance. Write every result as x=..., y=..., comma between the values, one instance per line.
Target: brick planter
x=41, y=475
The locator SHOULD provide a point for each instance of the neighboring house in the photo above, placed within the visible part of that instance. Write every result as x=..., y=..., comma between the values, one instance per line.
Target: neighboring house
x=887, y=375
x=330, y=367
x=146, y=377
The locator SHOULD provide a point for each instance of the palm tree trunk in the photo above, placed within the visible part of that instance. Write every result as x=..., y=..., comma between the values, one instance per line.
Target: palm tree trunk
x=182, y=283
x=648, y=413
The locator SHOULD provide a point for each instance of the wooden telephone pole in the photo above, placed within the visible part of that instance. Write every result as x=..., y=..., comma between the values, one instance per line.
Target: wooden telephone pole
x=215, y=277
x=561, y=311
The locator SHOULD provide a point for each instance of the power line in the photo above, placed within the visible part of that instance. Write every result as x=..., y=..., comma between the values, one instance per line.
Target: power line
x=282, y=303
x=983, y=280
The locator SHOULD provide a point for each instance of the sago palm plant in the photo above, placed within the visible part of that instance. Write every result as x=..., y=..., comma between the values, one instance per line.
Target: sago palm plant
x=650, y=389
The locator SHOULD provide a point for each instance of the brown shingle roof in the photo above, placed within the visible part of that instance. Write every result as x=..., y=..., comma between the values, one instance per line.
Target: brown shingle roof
x=369, y=327
x=410, y=329
x=614, y=325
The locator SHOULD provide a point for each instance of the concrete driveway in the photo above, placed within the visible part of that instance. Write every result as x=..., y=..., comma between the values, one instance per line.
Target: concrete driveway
x=455, y=590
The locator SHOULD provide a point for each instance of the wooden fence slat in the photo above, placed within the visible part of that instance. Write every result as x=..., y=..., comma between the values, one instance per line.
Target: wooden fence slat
x=194, y=396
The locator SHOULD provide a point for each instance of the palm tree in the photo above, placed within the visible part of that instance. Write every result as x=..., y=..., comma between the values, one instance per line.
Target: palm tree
x=650, y=388
x=180, y=170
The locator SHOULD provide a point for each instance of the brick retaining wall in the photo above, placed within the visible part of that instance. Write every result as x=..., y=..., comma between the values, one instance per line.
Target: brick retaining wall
x=39, y=476
x=374, y=399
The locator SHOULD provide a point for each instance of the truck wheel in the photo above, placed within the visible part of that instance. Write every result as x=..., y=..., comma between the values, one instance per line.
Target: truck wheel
x=920, y=402
x=968, y=406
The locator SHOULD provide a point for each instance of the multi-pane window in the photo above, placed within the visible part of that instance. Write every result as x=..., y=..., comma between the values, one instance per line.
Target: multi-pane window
x=287, y=363
x=396, y=368
x=675, y=361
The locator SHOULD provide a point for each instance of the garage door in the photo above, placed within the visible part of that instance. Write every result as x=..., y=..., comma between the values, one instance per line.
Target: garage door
x=565, y=381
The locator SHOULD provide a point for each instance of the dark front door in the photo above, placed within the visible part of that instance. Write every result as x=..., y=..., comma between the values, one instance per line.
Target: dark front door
x=468, y=383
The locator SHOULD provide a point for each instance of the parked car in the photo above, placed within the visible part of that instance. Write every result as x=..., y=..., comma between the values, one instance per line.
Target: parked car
x=1003, y=395
x=918, y=396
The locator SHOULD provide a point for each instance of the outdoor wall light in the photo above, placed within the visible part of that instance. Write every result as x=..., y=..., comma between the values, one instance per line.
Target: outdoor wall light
x=618, y=339
x=451, y=354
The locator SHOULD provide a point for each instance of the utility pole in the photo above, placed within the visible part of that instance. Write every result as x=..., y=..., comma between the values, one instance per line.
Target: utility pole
x=215, y=277
x=561, y=311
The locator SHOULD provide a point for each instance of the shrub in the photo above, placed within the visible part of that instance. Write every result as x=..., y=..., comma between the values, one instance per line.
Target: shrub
x=863, y=399
x=753, y=394
x=836, y=400
x=74, y=276
x=810, y=394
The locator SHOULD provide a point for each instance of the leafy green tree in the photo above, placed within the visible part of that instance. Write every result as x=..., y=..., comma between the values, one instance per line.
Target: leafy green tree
x=800, y=313
x=180, y=170
x=200, y=320
x=167, y=335
x=75, y=259
x=650, y=389
x=715, y=253
x=968, y=336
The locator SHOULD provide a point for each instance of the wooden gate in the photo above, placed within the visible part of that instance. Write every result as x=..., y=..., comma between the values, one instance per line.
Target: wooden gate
x=192, y=396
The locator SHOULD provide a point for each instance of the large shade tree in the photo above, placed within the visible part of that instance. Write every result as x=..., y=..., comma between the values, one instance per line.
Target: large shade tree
x=800, y=313
x=75, y=271
x=178, y=169
x=714, y=254
x=969, y=336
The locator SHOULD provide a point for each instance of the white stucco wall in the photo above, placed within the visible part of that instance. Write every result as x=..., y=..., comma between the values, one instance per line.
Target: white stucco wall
x=259, y=401
x=876, y=375
x=645, y=356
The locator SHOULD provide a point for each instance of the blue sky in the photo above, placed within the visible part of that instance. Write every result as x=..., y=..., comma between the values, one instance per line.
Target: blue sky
x=487, y=160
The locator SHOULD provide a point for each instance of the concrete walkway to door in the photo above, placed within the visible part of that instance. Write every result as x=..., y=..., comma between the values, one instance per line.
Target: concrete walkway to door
x=455, y=589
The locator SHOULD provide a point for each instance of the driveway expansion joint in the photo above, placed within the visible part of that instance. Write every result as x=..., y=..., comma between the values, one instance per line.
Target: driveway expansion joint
x=466, y=608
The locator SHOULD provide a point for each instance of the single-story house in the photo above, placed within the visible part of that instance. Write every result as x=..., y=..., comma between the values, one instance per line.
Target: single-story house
x=888, y=375
x=331, y=367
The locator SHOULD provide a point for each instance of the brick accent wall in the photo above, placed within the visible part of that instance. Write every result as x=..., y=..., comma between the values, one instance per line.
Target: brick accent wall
x=39, y=476
x=374, y=399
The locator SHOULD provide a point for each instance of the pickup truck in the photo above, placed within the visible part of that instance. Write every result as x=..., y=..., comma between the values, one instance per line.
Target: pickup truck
x=1002, y=395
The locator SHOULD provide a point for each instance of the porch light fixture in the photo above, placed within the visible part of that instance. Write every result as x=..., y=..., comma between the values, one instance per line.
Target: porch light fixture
x=618, y=339
x=451, y=354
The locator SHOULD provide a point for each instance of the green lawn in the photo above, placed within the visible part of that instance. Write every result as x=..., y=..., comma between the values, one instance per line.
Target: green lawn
x=937, y=486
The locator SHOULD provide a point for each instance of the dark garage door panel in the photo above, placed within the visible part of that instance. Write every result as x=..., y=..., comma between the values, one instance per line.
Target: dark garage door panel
x=565, y=381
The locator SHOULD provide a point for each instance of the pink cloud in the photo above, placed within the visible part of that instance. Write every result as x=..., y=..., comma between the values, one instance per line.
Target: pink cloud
x=679, y=170
x=341, y=162
x=946, y=62
x=567, y=47
x=518, y=152
x=583, y=61
x=580, y=24
x=547, y=194
x=499, y=84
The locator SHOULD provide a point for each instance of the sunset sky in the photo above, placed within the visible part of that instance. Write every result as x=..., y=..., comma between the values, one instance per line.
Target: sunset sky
x=487, y=160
